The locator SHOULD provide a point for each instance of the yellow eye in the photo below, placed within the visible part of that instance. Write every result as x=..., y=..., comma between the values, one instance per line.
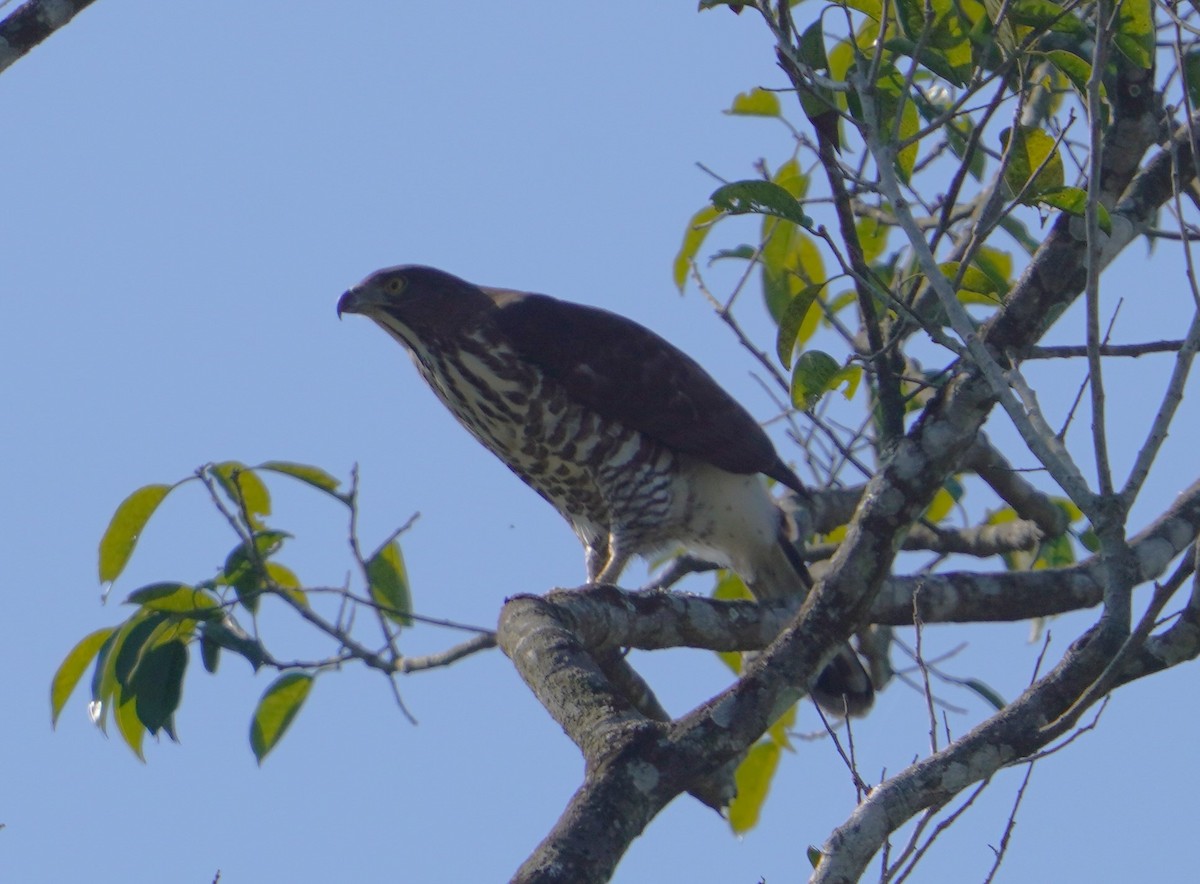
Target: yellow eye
x=395, y=285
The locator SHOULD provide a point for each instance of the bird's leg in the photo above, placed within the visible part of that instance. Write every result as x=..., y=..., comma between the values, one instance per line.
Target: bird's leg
x=617, y=560
x=595, y=557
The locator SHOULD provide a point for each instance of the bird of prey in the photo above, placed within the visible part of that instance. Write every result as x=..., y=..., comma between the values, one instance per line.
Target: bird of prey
x=634, y=444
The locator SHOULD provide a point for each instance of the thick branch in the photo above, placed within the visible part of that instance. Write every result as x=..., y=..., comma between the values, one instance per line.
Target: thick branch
x=33, y=23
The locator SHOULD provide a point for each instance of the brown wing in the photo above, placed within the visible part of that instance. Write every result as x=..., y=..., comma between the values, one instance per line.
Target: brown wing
x=626, y=372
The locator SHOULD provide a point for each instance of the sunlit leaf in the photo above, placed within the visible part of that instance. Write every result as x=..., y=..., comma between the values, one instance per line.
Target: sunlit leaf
x=940, y=506
x=1135, y=31
x=1069, y=508
x=276, y=711
x=731, y=587
x=244, y=570
x=314, y=476
x=873, y=237
x=244, y=488
x=973, y=281
x=753, y=780
x=1075, y=69
x=121, y=536
x=693, y=237
x=755, y=103
x=814, y=374
x=1057, y=552
x=998, y=265
x=389, y=584
x=1073, y=201
x=177, y=598
x=1045, y=15
x=757, y=197
x=129, y=726
x=72, y=668
x=1035, y=166
x=778, y=732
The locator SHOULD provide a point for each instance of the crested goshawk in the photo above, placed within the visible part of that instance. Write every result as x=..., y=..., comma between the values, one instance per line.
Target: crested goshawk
x=625, y=435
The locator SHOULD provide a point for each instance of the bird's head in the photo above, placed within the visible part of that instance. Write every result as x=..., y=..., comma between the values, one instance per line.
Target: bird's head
x=419, y=298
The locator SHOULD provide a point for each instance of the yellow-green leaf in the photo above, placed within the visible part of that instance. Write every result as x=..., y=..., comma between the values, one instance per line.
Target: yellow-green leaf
x=693, y=237
x=814, y=374
x=1135, y=32
x=731, y=587
x=72, y=668
x=125, y=527
x=755, y=103
x=940, y=506
x=276, y=711
x=1073, y=201
x=128, y=724
x=389, y=584
x=314, y=476
x=244, y=488
x=778, y=732
x=753, y=779
x=1034, y=166
x=178, y=598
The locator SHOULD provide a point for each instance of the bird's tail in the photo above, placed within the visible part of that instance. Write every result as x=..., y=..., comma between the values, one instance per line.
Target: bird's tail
x=843, y=687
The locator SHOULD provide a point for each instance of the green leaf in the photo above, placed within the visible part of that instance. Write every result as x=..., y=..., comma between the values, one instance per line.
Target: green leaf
x=310, y=475
x=815, y=374
x=1191, y=76
x=693, y=237
x=731, y=587
x=755, y=103
x=792, y=319
x=814, y=856
x=742, y=252
x=753, y=780
x=157, y=686
x=121, y=536
x=1135, y=32
x=210, y=653
x=1090, y=539
x=894, y=104
x=128, y=724
x=72, y=668
x=996, y=701
x=276, y=710
x=139, y=641
x=1057, y=552
x=1020, y=233
x=974, y=281
x=873, y=237
x=1074, y=69
x=1073, y=201
x=243, y=570
x=1045, y=14
x=244, y=488
x=178, y=598
x=1032, y=151
x=388, y=580
x=760, y=198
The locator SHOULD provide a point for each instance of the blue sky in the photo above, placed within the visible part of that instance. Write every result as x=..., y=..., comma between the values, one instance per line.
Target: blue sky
x=189, y=187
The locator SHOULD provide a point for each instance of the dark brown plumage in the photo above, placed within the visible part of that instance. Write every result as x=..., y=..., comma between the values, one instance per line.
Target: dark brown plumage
x=624, y=434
